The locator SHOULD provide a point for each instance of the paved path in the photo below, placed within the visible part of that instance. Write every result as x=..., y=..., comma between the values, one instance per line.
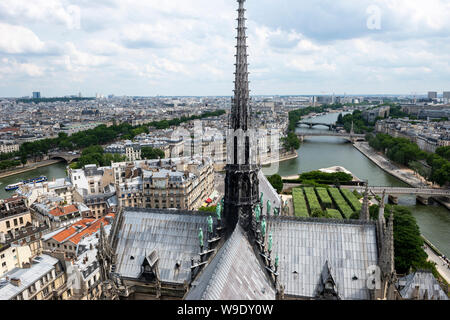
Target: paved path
x=285, y=197
x=441, y=266
x=28, y=167
x=406, y=175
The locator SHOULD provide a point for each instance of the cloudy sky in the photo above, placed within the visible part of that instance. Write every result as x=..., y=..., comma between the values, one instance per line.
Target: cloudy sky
x=186, y=47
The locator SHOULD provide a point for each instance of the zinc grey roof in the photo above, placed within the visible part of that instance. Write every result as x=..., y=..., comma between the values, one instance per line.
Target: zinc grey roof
x=172, y=233
x=426, y=282
x=269, y=193
x=41, y=266
x=235, y=273
x=304, y=246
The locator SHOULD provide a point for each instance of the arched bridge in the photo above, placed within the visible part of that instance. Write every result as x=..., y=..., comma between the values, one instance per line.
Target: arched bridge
x=351, y=137
x=330, y=126
x=66, y=156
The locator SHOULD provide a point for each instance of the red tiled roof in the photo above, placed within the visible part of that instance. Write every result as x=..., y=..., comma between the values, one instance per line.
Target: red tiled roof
x=63, y=211
x=56, y=212
x=74, y=235
x=70, y=209
x=71, y=230
x=9, y=129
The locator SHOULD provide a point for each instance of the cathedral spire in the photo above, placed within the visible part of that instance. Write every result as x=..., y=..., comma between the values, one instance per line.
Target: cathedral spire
x=241, y=180
x=240, y=104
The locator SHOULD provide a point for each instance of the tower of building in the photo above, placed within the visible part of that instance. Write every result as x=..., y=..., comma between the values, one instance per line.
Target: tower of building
x=241, y=181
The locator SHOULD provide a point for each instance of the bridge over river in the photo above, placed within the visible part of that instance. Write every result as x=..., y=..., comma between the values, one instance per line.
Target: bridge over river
x=66, y=156
x=353, y=137
x=403, y=191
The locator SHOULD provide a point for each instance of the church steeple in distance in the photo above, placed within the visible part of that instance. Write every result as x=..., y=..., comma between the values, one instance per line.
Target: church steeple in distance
x=241, y=180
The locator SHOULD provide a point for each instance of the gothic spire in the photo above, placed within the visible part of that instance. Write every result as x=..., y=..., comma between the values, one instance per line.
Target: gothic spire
x=240, y=105
x=241, y=179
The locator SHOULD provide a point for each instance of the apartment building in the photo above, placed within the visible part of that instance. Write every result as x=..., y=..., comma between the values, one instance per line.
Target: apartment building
x=17, y=247
x=84, y=271
x=182, y=183
x=94, y=186
x=41, y=279
x=60, y=188
x=66, y=240
x=13, y=256
x=56, y=215
x=13, y=215
x=7, y=146
x=132, y=151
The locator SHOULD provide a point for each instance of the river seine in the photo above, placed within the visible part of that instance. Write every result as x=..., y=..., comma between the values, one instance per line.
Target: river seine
x=324, y=152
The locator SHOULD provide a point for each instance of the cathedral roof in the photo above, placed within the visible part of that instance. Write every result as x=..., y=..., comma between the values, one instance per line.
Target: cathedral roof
x=235, y=273
x=172, y=233
x=305, y=246
x=429, y=288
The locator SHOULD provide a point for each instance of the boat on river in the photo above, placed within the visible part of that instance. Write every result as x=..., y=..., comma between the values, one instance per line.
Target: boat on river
x=15, y=186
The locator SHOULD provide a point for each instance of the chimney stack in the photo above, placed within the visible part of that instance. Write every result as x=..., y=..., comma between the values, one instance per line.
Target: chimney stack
x=16, y=281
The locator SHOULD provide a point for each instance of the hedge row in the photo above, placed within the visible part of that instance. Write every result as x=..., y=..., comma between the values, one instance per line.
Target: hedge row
x=324, y=197
x=340, y=202
x=300, y=208
x=333, y=214
x=352, y=199
x=312, y=199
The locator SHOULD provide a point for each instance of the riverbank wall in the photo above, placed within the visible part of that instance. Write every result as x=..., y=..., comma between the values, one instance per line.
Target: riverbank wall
x=284, y=157
x=386, y=165
x=34, y=166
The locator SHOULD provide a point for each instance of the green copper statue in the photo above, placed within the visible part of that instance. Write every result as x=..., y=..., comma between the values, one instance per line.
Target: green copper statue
x=277, y=261
x=261, y=200
x=218, y=211
x=275, y=211
x=257, y=212
x=268, y=207
x=269, y=247
x=210, y=224
x=263, y=227
x=200, y=237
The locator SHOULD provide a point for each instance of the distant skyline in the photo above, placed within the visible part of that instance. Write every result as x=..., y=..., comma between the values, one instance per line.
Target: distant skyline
x=186, y=48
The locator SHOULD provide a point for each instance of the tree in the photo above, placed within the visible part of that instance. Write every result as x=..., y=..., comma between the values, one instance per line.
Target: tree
x=152, y=153
x=291, y=142
x=208, y=209
x=277, y=182
x=23, y=159
x=407, y=241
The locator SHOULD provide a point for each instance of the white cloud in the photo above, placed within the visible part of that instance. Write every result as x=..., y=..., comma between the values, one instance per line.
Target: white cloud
x=181, y=47
x=18, y=39
x=12, y=67
x=41, y=11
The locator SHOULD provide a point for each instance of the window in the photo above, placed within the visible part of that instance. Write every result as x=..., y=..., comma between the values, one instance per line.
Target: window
x=8, y=225
x=4, y=264
x=2, y=256
x=15, y=222
x=21, y=220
